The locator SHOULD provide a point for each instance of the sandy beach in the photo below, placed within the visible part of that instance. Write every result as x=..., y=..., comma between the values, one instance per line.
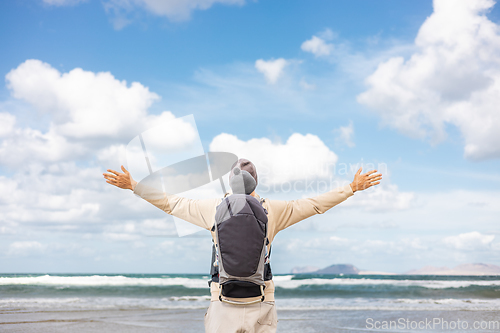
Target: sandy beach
x=190, y=321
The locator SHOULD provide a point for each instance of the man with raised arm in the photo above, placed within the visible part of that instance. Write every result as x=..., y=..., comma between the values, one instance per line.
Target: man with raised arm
x=259, y=317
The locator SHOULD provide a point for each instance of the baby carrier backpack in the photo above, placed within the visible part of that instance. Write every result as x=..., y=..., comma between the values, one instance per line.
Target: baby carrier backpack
x=240, y=262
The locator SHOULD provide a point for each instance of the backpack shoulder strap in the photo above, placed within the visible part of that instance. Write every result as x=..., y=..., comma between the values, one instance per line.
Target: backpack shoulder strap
x=262, y=200
x=221, y=201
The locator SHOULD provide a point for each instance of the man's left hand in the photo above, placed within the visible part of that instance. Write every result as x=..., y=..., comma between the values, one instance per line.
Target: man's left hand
x=363, y=181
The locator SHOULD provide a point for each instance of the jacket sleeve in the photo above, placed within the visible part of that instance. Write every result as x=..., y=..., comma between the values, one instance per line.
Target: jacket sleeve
x=197, y=212
x=287, y=213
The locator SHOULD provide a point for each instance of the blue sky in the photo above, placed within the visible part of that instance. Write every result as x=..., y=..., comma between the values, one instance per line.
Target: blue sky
x=412, y=86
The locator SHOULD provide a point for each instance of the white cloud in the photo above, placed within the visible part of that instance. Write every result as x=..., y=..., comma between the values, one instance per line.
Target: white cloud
x=61, y=193
x=471, y=241
x=30, y=144
x=56, y=183
x=345, y=135
x=174, y=10
x=113, y=155
x=88, y=112
x=7, y=122
x=453, y=78
x=317, y=46
x=301, y=157
x=272, y=69
x=83, y=104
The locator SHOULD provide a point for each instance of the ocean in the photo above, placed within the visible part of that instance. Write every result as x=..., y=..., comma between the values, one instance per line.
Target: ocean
x=305, y=303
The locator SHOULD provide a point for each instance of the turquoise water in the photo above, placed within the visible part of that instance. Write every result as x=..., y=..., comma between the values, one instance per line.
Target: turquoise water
x=293, y=292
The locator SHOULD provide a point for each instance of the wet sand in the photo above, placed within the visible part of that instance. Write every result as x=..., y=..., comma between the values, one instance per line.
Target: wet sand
x=189, y=321
x=103, y=321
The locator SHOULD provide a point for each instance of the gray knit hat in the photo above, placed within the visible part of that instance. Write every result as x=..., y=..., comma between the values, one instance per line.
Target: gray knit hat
x=243, y=177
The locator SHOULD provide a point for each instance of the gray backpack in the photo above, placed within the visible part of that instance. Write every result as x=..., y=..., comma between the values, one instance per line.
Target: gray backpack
x=240, y=262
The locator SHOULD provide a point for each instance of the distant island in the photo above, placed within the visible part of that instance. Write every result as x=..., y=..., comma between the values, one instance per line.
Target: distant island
x=348, y=269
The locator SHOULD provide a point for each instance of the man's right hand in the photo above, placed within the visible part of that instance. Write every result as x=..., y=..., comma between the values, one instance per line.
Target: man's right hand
x=363, y=181
x=122, y=180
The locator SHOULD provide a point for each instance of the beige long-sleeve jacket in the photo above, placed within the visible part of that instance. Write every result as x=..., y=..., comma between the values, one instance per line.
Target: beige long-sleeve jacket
x=281, y=214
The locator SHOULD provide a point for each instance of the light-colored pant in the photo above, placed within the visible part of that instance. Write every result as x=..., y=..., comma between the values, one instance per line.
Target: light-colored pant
x=254, y=318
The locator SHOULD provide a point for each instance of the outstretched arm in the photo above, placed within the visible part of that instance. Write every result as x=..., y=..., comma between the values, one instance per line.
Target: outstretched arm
x=197, y=212
x=290, y=212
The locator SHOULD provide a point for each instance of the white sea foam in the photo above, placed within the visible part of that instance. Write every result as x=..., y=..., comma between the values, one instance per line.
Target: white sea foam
x=102, y=280
x=280, y=278
x=430, y=284
x=285, y=304
x=104, y=303
x=283, y=281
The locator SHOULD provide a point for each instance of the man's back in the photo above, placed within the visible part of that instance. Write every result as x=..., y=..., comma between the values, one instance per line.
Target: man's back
x=281, y=214
x=258, y=317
